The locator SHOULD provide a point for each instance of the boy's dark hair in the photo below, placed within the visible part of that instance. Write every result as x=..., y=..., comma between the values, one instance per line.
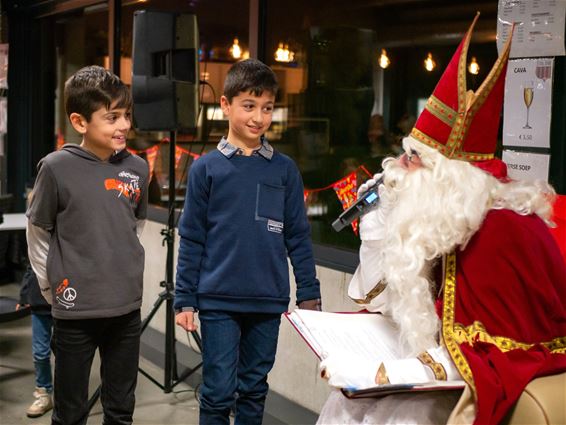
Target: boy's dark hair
x=92, y=88
x=249, y=75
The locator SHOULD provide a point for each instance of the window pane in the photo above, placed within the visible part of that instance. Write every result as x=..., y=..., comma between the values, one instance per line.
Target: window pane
x=218, y=32
x=81, y=39
x=344, y=113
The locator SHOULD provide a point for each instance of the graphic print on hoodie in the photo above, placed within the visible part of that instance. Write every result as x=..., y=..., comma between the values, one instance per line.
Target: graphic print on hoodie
x=130, y=189
x=90, y=207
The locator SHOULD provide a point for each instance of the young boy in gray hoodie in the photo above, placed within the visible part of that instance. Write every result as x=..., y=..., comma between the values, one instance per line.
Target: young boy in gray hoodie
x=84, y=221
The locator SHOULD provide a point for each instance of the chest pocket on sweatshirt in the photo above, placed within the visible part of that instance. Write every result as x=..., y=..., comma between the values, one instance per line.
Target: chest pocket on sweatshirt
x=270, y=202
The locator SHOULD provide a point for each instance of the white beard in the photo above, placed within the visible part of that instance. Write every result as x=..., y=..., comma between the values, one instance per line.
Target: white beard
x=422, y=215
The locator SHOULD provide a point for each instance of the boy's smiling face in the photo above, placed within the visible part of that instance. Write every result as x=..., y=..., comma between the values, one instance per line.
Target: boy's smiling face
x=249, y=117
x=106, y=131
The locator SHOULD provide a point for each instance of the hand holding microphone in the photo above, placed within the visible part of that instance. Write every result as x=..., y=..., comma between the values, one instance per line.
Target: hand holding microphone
x=368, y=197
x=369, y=183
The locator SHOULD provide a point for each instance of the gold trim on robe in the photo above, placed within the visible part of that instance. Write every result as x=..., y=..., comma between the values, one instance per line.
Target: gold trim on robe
x=477, y=332
x=448, y=334
x=436, y=368
x=455, y=333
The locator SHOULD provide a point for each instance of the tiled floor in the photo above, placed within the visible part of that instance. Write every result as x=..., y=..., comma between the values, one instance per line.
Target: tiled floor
x=153, y=407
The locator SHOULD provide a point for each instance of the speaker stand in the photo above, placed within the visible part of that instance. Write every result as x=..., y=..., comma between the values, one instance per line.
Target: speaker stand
x=171, y=377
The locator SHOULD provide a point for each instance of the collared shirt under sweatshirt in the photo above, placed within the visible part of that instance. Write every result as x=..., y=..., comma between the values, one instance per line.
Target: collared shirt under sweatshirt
x=243, y=215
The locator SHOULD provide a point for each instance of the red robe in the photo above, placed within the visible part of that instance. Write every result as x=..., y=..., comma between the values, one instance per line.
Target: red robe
x=504, y=310
x=559, y=217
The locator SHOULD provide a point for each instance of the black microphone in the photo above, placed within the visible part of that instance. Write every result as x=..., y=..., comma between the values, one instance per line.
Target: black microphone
x=363, y=205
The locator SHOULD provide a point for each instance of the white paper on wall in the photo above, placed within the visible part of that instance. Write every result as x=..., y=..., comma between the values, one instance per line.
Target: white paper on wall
x=526, y=165
x=539, y=27
x=527, y=107
x=3, y=116
x=3, y=66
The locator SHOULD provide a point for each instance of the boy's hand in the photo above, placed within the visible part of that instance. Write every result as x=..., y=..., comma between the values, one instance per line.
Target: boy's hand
x=186, y=320
x=315, y=304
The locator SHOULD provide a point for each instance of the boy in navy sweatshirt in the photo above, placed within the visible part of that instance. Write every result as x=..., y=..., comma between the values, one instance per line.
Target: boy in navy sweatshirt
x=244, y=213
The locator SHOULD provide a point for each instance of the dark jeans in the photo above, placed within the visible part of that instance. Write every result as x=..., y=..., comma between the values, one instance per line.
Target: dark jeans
x=238, y=353
x=74, y=345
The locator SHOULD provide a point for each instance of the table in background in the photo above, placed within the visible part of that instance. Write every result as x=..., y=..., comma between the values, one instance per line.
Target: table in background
x=16, y=221
x=8, y=311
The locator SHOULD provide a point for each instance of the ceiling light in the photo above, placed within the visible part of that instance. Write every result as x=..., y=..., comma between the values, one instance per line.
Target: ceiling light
x=236, y=50
x=383, y=59
x=283, y=54
x=429, y=62
x=473, y=67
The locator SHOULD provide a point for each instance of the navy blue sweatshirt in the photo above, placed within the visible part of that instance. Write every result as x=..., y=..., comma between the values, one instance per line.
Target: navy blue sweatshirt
x=243, y=215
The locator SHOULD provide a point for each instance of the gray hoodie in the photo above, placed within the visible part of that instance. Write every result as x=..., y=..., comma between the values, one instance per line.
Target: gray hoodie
x=90, y=207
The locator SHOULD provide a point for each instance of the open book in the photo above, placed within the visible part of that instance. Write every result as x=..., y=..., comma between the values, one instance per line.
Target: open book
x=369, y=335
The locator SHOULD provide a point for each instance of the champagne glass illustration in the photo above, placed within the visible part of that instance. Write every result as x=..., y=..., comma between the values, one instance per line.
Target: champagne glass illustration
x=528, y=95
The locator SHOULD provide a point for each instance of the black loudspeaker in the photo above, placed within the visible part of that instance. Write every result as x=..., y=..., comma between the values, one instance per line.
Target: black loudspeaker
x=165, y=72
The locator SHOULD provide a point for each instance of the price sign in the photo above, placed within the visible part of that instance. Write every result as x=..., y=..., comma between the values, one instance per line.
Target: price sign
x=527, y=108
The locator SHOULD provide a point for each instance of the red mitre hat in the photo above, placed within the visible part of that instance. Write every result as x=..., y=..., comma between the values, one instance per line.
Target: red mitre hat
x=462, y=124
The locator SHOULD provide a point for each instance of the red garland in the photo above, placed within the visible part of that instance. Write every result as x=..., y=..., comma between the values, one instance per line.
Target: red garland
x=346, y=190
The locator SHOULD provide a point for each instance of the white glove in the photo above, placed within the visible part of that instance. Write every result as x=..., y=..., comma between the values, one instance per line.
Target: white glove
x=407, y=371
x=346, y=370
x=413, y=371
x=440, y=355
x=364, y=187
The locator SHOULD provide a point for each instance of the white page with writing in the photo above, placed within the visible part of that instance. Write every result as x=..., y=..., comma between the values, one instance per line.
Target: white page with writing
x=369, y=335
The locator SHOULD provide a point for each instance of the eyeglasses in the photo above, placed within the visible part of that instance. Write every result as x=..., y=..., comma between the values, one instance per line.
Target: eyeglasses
x=411, y=154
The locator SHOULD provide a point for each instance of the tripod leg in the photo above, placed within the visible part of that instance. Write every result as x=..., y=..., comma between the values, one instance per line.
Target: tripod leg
x=190, y=371
x=170, y=354
x=196, y=336
x=160, y=298
x=163, y=296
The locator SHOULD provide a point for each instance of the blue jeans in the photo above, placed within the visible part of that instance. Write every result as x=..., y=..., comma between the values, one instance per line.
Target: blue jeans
x=41, y=325
x=238, y=353
x=74, y=345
